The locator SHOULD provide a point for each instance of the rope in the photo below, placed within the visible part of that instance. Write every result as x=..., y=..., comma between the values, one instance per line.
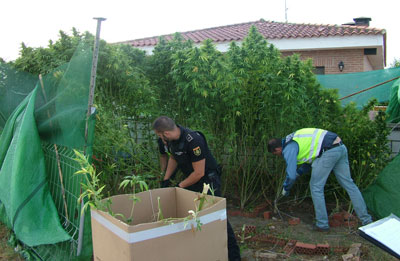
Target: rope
x=379, y=84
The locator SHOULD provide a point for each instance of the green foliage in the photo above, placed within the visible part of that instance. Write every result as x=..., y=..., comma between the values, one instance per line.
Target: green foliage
x=132, y=181
x=44, y=60
x=239, y=99
x=159, y=72
x=123, y=147
x=92, y=190
x=395, y=63
x=366, y=141
x=123, y=99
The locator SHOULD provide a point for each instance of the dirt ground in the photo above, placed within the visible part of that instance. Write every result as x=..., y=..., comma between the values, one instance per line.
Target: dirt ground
x=6, y=251
x=279, y=227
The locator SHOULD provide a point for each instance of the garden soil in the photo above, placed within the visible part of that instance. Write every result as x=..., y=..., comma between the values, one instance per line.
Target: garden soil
x=338, y=238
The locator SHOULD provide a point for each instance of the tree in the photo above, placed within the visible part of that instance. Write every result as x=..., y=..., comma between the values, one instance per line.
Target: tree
x=396, y=63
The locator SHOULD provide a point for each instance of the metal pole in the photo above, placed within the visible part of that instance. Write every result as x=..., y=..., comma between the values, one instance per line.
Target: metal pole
x=364, y=90
x=89, y=112
x=285, y=12
x=93, y=73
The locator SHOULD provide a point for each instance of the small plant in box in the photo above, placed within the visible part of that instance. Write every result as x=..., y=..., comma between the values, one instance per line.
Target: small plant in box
x=132, y=181
x=92, y=190
x=193, y=213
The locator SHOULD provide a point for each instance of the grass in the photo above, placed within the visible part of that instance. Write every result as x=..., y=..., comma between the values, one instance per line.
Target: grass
x=6, y=251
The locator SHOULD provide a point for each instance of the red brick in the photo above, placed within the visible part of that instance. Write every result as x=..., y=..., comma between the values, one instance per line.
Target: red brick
x=303, y=248
x=249, y=229
x=352, y=223
x=337, y=216
x=267, y=215
x=323, y=249
x=335, y=223
x=249, y=214
x=346, y=215
x=281, y=242
x=233, y=213
x=267, y=238
x=290, y=246
x=339, y=249
x=294, y=221
x=261, y=206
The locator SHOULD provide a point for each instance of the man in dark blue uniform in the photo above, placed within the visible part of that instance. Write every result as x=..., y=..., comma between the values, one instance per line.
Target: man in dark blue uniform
x=190, y=153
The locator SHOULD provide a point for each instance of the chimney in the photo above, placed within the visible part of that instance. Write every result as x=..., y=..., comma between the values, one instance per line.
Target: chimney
x=362, y=21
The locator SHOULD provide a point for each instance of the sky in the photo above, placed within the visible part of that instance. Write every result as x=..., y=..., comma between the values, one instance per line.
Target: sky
x=37, y=22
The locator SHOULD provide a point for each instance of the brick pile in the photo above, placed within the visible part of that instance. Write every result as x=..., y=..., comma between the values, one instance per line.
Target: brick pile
x=293, y=246
x=343, y=219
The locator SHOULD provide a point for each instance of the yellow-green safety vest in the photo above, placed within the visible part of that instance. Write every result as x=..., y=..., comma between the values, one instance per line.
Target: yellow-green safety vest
x=310, y=143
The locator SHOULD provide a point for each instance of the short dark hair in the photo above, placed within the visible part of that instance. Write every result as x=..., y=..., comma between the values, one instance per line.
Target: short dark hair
x=274, y=144
x=164, y=123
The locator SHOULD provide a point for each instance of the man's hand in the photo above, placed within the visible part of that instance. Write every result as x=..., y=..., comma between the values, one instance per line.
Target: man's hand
x=165, y=183
x=284, y=192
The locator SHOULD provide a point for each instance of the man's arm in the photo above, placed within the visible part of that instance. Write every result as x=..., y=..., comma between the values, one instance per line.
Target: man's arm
x=172, y=164
x=290, y=154
x=198, y=172
x=163, y=162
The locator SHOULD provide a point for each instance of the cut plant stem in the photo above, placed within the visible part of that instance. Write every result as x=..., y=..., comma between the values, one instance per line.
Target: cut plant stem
x=276, y=210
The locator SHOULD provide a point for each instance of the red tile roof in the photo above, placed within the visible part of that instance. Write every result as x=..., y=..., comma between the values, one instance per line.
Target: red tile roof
x=269, y=29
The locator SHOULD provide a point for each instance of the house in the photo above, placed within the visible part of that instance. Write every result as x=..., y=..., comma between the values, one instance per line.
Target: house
x=347, y=48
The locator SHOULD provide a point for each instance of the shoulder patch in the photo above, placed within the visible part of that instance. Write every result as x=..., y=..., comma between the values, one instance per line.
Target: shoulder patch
x=189, y=138
x=197, y=151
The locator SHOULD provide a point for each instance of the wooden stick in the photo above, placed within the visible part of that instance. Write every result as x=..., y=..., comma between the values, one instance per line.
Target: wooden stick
x=57, y=156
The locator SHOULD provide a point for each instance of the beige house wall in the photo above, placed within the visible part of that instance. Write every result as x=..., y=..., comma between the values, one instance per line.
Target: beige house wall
x=367, y=64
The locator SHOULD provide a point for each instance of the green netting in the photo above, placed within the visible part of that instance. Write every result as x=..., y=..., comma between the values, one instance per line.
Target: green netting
x=393, y=110
x=352, y=83
x=25, y=177
x=14, y=87
x=383, y=196
x=41, y=122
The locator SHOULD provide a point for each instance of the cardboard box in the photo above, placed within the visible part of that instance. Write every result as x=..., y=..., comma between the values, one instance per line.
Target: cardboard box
x=147, y=239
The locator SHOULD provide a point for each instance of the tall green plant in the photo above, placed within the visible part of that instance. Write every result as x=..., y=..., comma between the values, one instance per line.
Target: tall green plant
x=92, y=188
x=366, y=141
x=159, y=71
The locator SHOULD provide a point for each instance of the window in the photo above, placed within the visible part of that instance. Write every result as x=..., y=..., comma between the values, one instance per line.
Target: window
x=319, y=70
x=370, y=51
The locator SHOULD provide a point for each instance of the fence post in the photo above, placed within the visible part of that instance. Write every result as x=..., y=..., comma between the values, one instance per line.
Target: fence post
x=89, y=112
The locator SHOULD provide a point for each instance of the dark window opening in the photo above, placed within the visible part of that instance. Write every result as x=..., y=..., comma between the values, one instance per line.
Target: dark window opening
x=319, y=70
x=370, y=51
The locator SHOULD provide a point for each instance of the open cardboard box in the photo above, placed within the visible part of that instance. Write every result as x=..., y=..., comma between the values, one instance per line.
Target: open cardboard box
x=147, y=239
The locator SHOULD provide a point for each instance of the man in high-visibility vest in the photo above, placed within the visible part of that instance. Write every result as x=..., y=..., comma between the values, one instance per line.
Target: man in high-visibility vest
x=322, y=151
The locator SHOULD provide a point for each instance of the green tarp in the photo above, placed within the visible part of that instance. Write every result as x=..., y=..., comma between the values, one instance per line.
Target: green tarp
x=351, y=83
x=41, y=121
x=393, y=110
x=24, y=190
x=383, y=196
